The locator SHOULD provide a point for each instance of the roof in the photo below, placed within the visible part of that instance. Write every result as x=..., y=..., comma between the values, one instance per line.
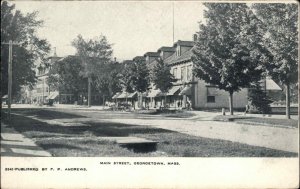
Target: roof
x=52, y=95
x=156, y=54
x=168, y=49
x=187, y=90
x=173, y=90
x=131, y=95
x=123, y=95
x=127, y=95
x=116, y=95
x=137, y=58
x=154, y=93
x=184, y=43
x=151, y=64
x=184, y=57
x=170, y=59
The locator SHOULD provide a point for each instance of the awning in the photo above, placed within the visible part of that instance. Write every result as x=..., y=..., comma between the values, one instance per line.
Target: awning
x=173, y=90
x=144, y=94
x=52, y=96
x=271, y=85
x=116, y=95
x=123, y=95
x=132, y=95
x=187, y=90
x=153, y=93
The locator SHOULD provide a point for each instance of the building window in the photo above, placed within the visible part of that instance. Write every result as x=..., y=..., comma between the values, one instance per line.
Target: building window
x=175, y=73
x=211, y=99
x=183, y=73
x=189, y=73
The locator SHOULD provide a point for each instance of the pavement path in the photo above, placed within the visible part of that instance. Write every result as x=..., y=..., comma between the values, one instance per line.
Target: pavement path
x=285, y=139
x=16, y=144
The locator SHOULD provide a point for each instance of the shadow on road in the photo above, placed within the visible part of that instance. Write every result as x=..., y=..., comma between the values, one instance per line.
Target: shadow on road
x=46, y=114
x=35, y=128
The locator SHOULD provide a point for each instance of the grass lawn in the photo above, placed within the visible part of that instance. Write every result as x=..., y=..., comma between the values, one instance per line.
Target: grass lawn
x=258, y=120
x=87, y=140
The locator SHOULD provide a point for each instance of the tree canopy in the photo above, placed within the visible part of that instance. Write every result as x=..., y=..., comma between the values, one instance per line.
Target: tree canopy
x=280, y=25
x=93, y=53
x=229, y=52
x=161, y=76
x=64, y=76
x=20, y=29
x=140, y=77
x=126, y=77
x=107, y=82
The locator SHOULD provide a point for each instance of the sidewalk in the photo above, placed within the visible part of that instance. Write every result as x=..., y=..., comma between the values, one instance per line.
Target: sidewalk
x=285, y=139
x=17, y=145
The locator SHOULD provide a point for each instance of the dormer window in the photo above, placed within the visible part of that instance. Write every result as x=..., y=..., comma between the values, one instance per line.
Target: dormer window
x=178, y=51
x=162, y=54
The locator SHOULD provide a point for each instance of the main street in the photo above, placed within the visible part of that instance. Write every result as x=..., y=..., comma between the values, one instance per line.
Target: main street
x=201, y=125
x=99, y=123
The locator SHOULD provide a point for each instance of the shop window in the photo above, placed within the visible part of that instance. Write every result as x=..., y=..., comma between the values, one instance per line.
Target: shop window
x=211, y=99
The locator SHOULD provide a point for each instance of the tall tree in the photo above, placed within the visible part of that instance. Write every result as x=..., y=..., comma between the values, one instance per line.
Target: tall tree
x=21, y=29
x=64, y=76
x=93, y=53
x=126, y=77
x=140, y=79
x=107, y=81
x=229, y=52
x=162, y=78
x=259, y=99
x=281, y=37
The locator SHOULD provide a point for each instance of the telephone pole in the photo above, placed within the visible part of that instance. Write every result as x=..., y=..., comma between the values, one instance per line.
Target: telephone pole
x=9, y=87
x=9, y=79
x=173, y=23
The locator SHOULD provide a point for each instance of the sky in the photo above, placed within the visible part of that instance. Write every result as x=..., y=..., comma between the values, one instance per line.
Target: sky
x=133, y=28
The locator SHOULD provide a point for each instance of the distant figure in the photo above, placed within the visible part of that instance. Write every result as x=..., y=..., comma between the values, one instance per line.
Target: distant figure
x=188, y=105
x=84, y=101
x=247, y=109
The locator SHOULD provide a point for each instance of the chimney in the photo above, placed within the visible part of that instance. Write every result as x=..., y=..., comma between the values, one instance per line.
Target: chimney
x=195, y=37
x=115, y=59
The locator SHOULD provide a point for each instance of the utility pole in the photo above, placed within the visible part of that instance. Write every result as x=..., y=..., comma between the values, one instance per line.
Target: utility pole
x=9, y=87
x=9, y=79
x=173, y=22
x=89, y=90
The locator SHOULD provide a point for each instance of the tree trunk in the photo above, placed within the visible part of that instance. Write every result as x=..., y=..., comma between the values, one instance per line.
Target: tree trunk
x=142, y=101
x=287, y=97
x=89, y=91
x=231, y=103
x=165, y=105
x=103, y=98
